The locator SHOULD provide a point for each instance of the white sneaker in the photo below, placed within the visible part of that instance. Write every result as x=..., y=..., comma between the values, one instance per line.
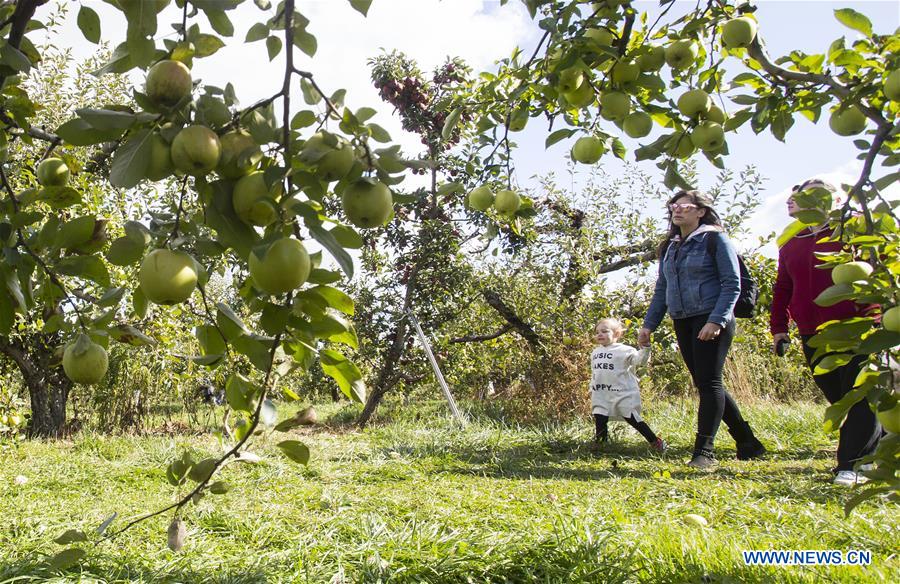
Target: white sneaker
x=848, y=478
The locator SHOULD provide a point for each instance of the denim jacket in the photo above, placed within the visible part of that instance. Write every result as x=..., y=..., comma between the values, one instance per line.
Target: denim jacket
x=691, y=282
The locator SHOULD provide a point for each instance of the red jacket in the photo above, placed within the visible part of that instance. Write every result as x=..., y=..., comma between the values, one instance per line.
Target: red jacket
x=798, y=283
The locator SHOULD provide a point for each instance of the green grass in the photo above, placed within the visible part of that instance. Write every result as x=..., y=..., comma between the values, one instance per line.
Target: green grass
x=414, y=499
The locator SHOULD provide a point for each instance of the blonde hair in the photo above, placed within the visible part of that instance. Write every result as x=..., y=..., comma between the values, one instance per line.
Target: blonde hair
x=614, y=323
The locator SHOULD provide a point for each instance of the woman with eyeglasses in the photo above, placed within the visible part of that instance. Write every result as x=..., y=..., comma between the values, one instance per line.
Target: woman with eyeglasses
x=798, y=283
x=699, y=291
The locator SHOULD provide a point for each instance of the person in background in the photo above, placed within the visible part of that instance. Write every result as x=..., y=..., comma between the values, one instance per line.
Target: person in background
x=699, y=291
x=798, y=283
x=615, y=391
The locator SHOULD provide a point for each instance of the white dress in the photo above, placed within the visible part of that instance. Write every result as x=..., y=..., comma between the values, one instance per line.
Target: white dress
x=614, y=384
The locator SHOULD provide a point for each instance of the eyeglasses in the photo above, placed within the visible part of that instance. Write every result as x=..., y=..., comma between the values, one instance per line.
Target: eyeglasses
x=681, y=206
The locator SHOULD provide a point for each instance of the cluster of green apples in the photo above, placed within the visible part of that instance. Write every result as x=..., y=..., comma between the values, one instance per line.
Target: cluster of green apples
x=506, y=201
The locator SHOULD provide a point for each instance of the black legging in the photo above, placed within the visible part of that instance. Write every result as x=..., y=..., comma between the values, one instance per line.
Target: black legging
x=860, y=432
x=602, y=422
x=705, y=360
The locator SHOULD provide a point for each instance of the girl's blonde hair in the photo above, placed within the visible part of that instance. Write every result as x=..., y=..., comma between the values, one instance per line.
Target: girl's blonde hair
x=614, y=323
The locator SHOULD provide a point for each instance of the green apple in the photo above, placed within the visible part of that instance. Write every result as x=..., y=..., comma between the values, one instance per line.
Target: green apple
x=167, y=276
x=848, y=122
x=582, y=97
x=680, y=146
x=196, y=150
x=518, y=119
x=570, y=79
x=682, y=54
x=708, y=136
x=336, y=164
x=240, y=154
x=892, y=85
x=283, y=267
x=507, y=202
x=614, y=105
x=851, y=272
x=716, y=114
x=890, y=320
x=588, y=150
x=480, y=198
x=739, y=32
x=638, y=124
x=159, y=163
x=890, y=419
x=84, y=361
x=625, y=72
x=694, y=103
x=168, y=82
x=567, y=340
x=652, y=61
x=250, y=197
x=602, y=37
x=52, y=172
x=367, y=203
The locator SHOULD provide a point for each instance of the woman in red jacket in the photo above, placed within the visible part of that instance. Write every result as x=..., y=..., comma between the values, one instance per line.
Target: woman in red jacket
x=798, y=283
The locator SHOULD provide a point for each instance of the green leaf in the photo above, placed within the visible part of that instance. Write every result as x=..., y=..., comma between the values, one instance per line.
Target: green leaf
x=334, y=297
x=119, y=62
x=834, y=294
x=303, y=119
x=229, y=323
x=557, y=136
x=239, y=392
x=79, y=132
x=328, y=241
x=129, y=335
x=89, y=23
x=219, y=21
x=87, y=266
x=361, y=6
x=295, y=450
x=257, y=32
x=71, y=536
x=129, y=164
x=66, y=558
x=207, y=44
x=273, y=46
x=450, y=123
x=231, y=231
x=257, y=352
x=102, y=119
x=835, y=413
x=854, y=20
x=59, y=197
x=202, y=470
x=344, y=372
x=305, y=41
x=310, y=94
x=347, y=237
x=880, y=340
x=124, y=251
x=14, y=58
x=75, y=232
x=211, y=341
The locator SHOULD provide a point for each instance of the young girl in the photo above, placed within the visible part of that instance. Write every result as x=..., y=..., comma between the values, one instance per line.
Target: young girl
x=614, y=385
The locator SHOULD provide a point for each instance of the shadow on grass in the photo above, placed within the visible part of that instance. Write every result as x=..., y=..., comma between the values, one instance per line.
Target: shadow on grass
x=39, y=572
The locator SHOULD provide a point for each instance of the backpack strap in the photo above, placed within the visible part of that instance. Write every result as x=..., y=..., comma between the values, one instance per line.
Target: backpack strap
x=712, y=244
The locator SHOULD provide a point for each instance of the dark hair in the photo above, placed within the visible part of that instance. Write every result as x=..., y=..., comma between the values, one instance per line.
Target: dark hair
x=703, y=202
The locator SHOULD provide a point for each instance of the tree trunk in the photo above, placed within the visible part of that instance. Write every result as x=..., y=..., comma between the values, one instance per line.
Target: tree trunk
x=48, y=386
x=387, y=377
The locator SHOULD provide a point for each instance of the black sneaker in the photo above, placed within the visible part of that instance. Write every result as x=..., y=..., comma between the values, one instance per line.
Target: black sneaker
x=702, y=462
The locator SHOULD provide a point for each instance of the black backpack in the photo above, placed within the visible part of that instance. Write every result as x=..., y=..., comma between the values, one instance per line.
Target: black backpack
x=746, y=302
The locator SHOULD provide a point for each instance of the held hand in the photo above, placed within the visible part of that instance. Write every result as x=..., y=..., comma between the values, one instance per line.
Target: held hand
x=709, y=332
x=644, y=337
x=776, y=338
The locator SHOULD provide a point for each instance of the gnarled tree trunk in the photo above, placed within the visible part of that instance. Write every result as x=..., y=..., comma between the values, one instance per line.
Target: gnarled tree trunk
x=48, y=386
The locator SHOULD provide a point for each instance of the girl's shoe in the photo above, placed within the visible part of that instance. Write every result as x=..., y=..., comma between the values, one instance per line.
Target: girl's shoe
x=659, y=446
x=848, y=478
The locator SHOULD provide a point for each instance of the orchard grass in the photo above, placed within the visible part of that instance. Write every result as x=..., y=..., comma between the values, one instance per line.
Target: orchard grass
x=414, y=499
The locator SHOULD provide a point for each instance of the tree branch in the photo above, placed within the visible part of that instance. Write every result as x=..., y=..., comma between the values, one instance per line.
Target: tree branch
x=481, y=338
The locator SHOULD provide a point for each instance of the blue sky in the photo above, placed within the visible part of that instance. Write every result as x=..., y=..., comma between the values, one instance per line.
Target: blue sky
x=481, y=32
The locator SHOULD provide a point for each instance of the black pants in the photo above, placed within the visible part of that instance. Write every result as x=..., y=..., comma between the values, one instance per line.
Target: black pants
x=860, y=432
x=602, y=422
x=705, y=360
